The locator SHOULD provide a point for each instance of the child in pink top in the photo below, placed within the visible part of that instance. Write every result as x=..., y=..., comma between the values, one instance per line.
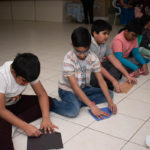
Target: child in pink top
x=121, y=44
x=125, y=43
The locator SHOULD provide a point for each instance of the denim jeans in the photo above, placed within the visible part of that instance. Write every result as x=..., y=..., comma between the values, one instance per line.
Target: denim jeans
x=71, y=104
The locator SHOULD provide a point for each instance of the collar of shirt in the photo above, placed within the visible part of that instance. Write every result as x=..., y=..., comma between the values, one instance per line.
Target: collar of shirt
x=94, y=42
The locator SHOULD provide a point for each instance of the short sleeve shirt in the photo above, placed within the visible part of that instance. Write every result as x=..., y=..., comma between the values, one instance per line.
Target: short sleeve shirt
x=82, y=72
x=101, y=50
x=120, y=44
x=8, y=85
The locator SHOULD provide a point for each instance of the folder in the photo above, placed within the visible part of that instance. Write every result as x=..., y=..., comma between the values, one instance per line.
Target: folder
x=45, y=141
x=125, y=87
x=105, y=109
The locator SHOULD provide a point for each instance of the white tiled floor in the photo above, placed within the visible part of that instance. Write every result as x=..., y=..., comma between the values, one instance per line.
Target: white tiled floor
x=50, y=42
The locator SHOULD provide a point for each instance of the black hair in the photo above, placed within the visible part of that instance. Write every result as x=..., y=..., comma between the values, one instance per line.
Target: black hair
x=100, y=25
x=133, y=26
x=27, y=66
x=144, y=20
x=81, y=37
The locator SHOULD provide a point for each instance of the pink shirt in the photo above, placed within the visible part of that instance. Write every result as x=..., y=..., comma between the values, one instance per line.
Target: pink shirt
x=120, y=44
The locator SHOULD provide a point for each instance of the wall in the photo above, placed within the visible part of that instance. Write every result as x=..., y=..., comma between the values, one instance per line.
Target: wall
x=43, y=10
x=101, y=9
x=40, y=10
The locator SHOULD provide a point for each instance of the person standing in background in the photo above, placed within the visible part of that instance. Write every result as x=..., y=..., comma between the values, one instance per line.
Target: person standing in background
x=88, y=10
x=127, y=11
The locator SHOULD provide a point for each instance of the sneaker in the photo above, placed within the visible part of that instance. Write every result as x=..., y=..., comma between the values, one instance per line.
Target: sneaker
x=147, y=141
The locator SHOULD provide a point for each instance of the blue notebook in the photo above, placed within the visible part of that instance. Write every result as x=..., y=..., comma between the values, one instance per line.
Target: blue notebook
x=105, y=109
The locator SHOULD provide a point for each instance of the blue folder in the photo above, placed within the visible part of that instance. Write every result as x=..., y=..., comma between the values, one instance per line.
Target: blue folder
x=105, y=109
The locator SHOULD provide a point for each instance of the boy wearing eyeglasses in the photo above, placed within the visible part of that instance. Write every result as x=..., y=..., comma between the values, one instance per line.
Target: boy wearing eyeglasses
x=74, y=86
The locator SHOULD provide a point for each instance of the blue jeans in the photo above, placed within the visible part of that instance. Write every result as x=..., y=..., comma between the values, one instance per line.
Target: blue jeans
x=71, y=104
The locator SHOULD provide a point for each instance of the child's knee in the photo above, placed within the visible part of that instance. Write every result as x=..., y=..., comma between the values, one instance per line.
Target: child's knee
x=73, y=111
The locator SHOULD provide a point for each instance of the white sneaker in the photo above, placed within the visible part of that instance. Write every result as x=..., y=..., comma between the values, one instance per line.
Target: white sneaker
x=147, y=141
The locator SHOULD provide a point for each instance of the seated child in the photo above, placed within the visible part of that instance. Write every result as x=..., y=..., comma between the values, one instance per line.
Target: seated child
x=111, y=67
x=74, y=86
x=144, y=38
x=125, y=43
x=17, y=109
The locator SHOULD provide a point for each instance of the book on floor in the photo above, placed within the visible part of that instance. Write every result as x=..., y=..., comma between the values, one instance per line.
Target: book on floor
x=45, y=141
x=125, y=87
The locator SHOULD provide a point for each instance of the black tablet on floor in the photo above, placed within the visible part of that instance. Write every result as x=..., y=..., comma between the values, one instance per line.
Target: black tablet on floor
x=45, y=142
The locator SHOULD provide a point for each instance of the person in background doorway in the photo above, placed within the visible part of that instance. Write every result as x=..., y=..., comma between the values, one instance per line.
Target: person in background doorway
x=88, y=10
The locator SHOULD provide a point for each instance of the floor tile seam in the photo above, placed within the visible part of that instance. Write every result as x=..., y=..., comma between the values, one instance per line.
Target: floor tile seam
x=142, y=101
x=138, y=130
x=144, y=82
x=137, y=144
x=107, y=134
x=132, y=117
x=91, y=123
x=124, y=145
x=64, y=142
x=22, y=132
x=121, y=100
x=70, y=121
x=129, y=141
x=119, y=137
x=75, y=135
x=138, y=86
x=17, y=134
x=128, y=95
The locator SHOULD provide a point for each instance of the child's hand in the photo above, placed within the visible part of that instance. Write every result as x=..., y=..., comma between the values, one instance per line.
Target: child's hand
x=113, y=107
x=47, y=125
x=137, y=73
x=117, y=86
x=145, y=69
x=31, y=130
x=97, y=112
x=131, y=80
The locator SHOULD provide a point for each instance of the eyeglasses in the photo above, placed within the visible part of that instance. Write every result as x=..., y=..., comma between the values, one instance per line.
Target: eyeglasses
x=81, y=52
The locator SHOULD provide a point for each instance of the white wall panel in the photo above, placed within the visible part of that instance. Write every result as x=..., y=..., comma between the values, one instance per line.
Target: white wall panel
x=23, y=10
x=5, y=10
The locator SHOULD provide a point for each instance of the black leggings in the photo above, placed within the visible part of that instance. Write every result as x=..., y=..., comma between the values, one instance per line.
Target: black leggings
x=88, y=9
x=27, y=109
x=112, y=70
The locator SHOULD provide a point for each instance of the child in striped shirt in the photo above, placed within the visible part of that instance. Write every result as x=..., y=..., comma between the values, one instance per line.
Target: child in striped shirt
x=74, y=86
